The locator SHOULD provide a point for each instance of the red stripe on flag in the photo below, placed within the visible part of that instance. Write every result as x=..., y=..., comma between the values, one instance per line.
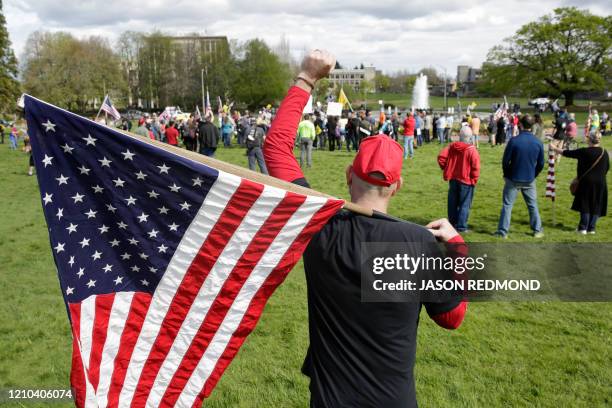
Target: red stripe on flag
x=223, y=302
x=276, y=277
x=241, y=202
x=104, y=304
x=133, y=325
x=77, y=373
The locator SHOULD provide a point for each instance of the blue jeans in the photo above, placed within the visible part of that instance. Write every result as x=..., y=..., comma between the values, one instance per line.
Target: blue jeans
x=408, y=146
x=587, y=222
x=460, y=197
x=441, y=135
x=255, y=155
x=419, y=136
x=227, y=139
x=13, y=141
x=529, y=192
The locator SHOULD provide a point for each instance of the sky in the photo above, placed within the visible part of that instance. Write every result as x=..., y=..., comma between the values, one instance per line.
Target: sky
x=390, y=35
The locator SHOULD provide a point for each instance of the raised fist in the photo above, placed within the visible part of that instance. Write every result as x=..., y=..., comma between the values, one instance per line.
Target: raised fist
x=317, y=64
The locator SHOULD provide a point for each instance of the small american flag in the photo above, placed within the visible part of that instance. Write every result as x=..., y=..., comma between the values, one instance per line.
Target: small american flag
x=108, y=107
x=165, y=264
x=550, y=177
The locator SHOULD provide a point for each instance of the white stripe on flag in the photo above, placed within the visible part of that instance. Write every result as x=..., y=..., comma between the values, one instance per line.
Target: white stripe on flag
x=116, y=323
x=230, y=323
x=225, y=263
x=88, y=314
x=210, y=211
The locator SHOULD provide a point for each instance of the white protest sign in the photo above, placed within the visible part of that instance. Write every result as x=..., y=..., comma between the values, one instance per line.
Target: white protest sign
x=334, y=109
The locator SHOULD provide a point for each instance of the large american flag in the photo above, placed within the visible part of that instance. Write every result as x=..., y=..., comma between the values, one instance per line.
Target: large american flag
x=165, y=264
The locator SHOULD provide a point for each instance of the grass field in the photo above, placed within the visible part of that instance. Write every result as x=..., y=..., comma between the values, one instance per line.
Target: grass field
x=506, y=354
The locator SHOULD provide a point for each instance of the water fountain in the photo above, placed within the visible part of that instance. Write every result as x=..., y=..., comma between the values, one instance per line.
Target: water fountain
x=420, y=93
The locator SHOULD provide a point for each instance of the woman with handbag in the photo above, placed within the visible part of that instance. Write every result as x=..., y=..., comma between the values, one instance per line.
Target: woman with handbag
x=589, y=188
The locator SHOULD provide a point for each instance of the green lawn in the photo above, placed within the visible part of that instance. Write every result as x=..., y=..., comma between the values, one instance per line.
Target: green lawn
x=505, y=354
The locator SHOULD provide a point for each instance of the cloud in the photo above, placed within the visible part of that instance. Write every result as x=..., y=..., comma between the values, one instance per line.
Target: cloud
x=391, y=35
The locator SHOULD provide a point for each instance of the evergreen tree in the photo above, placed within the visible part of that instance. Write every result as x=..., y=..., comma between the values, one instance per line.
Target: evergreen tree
x=9, y=86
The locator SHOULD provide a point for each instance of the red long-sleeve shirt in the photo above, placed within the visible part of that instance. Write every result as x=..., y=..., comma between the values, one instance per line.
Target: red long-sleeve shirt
x=282, y=164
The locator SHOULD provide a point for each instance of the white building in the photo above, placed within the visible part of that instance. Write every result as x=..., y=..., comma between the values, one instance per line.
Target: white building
x=352, y=77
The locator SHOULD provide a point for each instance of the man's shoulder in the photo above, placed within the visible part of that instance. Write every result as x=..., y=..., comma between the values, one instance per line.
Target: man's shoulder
x=382, y=230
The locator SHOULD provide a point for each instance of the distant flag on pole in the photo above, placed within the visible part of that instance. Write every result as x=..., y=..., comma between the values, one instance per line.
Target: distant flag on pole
x=208, y=108
x=343, y=99
x=550, y=177
x=108, y=107
x=220, y=102
x=501, y=111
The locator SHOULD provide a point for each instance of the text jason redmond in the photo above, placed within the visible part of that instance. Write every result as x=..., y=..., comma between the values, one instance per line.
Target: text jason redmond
x=449, y=284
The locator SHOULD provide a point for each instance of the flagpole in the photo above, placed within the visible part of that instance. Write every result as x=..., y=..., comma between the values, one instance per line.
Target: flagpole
x=100, y=110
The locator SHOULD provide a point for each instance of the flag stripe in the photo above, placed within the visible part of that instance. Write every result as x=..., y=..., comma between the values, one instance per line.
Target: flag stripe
x=277, y=276
x=103, y=305
x=203, y=329
x=212, y=256
x=116, y=324
x=86, y=390
x=133, y=326
x=269, y=261
x=207, y=218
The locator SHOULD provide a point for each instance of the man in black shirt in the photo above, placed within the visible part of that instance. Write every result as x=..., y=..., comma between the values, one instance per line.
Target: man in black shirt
x=361, y=354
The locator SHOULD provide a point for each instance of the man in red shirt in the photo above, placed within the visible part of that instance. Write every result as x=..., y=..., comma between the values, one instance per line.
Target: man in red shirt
x=460, y=163
x=172, y=134
x=409, y=124
x=361, y=354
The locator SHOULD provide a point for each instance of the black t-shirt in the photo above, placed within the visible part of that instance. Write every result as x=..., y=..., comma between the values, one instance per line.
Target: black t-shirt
x=361, y=354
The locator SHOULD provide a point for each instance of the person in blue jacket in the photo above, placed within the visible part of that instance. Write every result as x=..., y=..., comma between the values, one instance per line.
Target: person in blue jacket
x=523, y=161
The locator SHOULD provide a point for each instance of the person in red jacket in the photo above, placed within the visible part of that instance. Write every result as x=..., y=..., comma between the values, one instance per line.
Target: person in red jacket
x=361, y=354
x=172, y=134
x=460, y=163
x=409, y=124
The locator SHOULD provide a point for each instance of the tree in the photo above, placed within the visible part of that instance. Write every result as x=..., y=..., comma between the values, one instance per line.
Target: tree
x=261, y=78
x=69, y=72
x=321, y=89
x=9, y=86
x=382, y=82
x=561, y=54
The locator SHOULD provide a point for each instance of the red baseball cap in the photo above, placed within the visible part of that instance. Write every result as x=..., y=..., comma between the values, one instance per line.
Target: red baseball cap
x=379, y=154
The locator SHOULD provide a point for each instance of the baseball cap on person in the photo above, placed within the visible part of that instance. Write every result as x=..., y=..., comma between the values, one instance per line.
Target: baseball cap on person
x=379, y=154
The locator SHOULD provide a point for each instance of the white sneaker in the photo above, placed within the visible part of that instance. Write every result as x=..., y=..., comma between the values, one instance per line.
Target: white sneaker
x=582, y=232
x=591, y=232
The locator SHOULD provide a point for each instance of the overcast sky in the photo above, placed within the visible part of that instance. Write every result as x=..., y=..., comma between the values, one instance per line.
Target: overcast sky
x=391, y=35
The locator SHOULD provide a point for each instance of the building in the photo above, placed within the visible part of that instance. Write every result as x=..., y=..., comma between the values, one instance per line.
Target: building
x=351, y=77
x=210, y=46
x=466, y=78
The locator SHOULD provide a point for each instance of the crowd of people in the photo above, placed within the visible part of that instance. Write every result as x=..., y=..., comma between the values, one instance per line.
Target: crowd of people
x=522, y=135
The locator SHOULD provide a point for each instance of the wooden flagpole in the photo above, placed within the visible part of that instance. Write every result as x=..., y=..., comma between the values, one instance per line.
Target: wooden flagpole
x=246, y=173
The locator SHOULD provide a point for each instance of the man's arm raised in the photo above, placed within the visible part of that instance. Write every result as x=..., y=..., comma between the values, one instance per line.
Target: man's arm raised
x=278, y=149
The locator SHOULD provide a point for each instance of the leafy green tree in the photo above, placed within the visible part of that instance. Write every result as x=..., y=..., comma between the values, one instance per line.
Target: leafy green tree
x=9, y=86
x=561, y=54
x=261, y=78
x=69, y=72
x=382, y=82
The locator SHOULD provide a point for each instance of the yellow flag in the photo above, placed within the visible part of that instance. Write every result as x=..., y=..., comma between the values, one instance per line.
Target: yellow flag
x=342, y=98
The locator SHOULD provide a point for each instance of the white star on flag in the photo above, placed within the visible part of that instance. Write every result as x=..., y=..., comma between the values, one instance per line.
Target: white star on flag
x=49, y=126
x=90, y=140
x=48, y=198
x=67, y=149
x=47, y=160
x=127, y=155
x=163, y=169
x=104, y=162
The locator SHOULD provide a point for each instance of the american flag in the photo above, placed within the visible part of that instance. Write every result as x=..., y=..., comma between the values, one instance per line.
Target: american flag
x=550, y=177
x=165, y=264
x=108, y=107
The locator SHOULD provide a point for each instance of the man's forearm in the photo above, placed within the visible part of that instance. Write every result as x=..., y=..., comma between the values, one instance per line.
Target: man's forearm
x=278, y=150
